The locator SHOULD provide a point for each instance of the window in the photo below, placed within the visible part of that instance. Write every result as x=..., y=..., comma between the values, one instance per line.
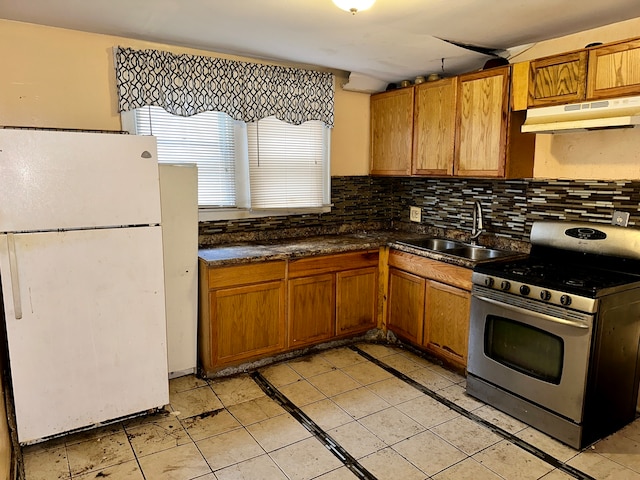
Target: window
x=264, y=168
x=287, y=164
x=206, y=139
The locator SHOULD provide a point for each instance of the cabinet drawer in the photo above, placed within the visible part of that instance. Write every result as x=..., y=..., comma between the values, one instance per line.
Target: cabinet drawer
x=332, y=263
x=432, y=269
x=246, y=274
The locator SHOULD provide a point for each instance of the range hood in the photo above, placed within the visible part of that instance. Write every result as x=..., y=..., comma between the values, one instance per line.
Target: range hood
x=580, y=117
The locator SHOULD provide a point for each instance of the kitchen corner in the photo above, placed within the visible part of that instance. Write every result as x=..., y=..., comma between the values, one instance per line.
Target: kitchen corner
x=342, y=277
x=290, y=248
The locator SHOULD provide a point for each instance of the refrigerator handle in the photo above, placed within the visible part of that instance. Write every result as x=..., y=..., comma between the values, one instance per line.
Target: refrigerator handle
x=15, y=284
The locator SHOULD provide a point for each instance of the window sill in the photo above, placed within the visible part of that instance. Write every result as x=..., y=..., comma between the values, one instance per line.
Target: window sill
x=211, y=215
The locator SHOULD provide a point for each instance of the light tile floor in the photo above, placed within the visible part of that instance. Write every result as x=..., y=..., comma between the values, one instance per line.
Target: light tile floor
x=228, y=429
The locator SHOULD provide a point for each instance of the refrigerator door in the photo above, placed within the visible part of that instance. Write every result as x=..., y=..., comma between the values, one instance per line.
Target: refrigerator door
x=179, y=203
x=55, y=180
x=90, y=341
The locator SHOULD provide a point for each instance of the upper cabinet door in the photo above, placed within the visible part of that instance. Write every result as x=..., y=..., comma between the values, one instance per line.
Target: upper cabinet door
x=434, y=127
x=392, y=132
x=614, y=70
x=483, y=104
x=558, y=79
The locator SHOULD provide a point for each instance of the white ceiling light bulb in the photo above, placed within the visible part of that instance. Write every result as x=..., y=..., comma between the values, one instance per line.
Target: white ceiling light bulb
x=354, y=6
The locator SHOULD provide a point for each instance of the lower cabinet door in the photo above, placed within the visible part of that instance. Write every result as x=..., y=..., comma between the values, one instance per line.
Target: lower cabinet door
x=247, y=321
x=356, y=304
x=446, y=328
x=311, y=309
x=406, y=305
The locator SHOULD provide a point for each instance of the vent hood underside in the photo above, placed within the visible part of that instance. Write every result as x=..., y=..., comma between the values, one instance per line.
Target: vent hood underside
x=580, y=117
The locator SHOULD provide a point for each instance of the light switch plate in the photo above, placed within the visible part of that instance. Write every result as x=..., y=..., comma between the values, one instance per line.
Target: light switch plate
x=620, y=218
x=415, y=214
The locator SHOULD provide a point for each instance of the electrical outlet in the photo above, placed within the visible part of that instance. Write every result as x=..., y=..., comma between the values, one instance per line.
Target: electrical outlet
x=414, y=214
x=620, y=218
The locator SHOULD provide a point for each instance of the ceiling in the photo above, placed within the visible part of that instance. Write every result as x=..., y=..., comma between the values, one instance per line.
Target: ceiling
x=394, y=40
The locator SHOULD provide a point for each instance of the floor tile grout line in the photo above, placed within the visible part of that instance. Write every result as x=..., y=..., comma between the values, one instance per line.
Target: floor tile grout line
x=549, y=459
x=195, y=442
x=135, y=455
x=102, y=467
x=334, y=447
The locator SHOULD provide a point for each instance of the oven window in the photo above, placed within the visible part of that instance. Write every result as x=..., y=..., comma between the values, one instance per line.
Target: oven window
x=527, y=349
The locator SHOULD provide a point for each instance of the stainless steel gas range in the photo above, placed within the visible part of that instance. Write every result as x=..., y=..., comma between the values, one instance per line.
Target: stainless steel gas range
x=554, y=338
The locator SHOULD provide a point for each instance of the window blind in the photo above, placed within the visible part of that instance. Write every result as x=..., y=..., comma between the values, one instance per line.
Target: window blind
x=206, y=139
x=287, y=164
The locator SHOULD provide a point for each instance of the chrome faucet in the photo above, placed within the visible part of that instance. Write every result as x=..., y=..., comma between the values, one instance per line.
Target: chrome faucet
x=478, y=228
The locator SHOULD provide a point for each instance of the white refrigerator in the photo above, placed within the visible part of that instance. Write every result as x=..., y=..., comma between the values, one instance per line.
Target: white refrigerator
x=81, y=268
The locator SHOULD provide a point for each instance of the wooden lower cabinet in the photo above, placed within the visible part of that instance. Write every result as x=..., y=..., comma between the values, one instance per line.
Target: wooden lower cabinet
x=332, y=296
x=356, y=301
x=406, y=305
x=446, y=321
x=311, y=309
x=429, y=304
x=260, y=309
x=249, y=321
x=242, y=313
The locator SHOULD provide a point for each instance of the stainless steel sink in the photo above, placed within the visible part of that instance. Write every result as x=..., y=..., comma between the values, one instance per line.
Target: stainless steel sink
x=474, y=253
x=437, y=244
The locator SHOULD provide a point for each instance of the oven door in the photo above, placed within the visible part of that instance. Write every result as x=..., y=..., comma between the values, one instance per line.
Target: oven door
x=536, y=351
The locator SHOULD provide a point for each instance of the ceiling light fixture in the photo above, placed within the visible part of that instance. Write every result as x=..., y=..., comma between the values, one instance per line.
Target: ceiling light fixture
x=354, y=6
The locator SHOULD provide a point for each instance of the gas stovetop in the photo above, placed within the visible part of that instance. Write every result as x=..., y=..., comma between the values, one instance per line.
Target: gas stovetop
x=567, y=261
x=565, y=277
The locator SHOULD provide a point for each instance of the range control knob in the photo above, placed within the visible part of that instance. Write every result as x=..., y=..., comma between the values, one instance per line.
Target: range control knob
x=525, y=290
x=565, y=300
x=488, y=282
x=545, y=294
x=505, y=285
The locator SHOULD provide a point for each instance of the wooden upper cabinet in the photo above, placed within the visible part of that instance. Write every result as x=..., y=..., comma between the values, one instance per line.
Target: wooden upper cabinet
x=614, y=70
x=392, y=132
x=594, y=73
x=434, y=127
x=483, y=106
x=558, y=79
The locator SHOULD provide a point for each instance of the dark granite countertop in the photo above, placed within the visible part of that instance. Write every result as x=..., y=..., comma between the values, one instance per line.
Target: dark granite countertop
x=292, y=248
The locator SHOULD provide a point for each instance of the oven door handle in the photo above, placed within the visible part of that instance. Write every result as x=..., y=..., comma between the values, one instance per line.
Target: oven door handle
x=524, y=311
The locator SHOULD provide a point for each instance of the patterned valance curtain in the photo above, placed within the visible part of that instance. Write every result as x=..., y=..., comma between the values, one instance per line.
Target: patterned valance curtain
x=188, y=84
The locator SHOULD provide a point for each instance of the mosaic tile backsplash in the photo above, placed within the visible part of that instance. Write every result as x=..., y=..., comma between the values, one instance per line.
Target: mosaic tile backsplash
x=509, y=206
